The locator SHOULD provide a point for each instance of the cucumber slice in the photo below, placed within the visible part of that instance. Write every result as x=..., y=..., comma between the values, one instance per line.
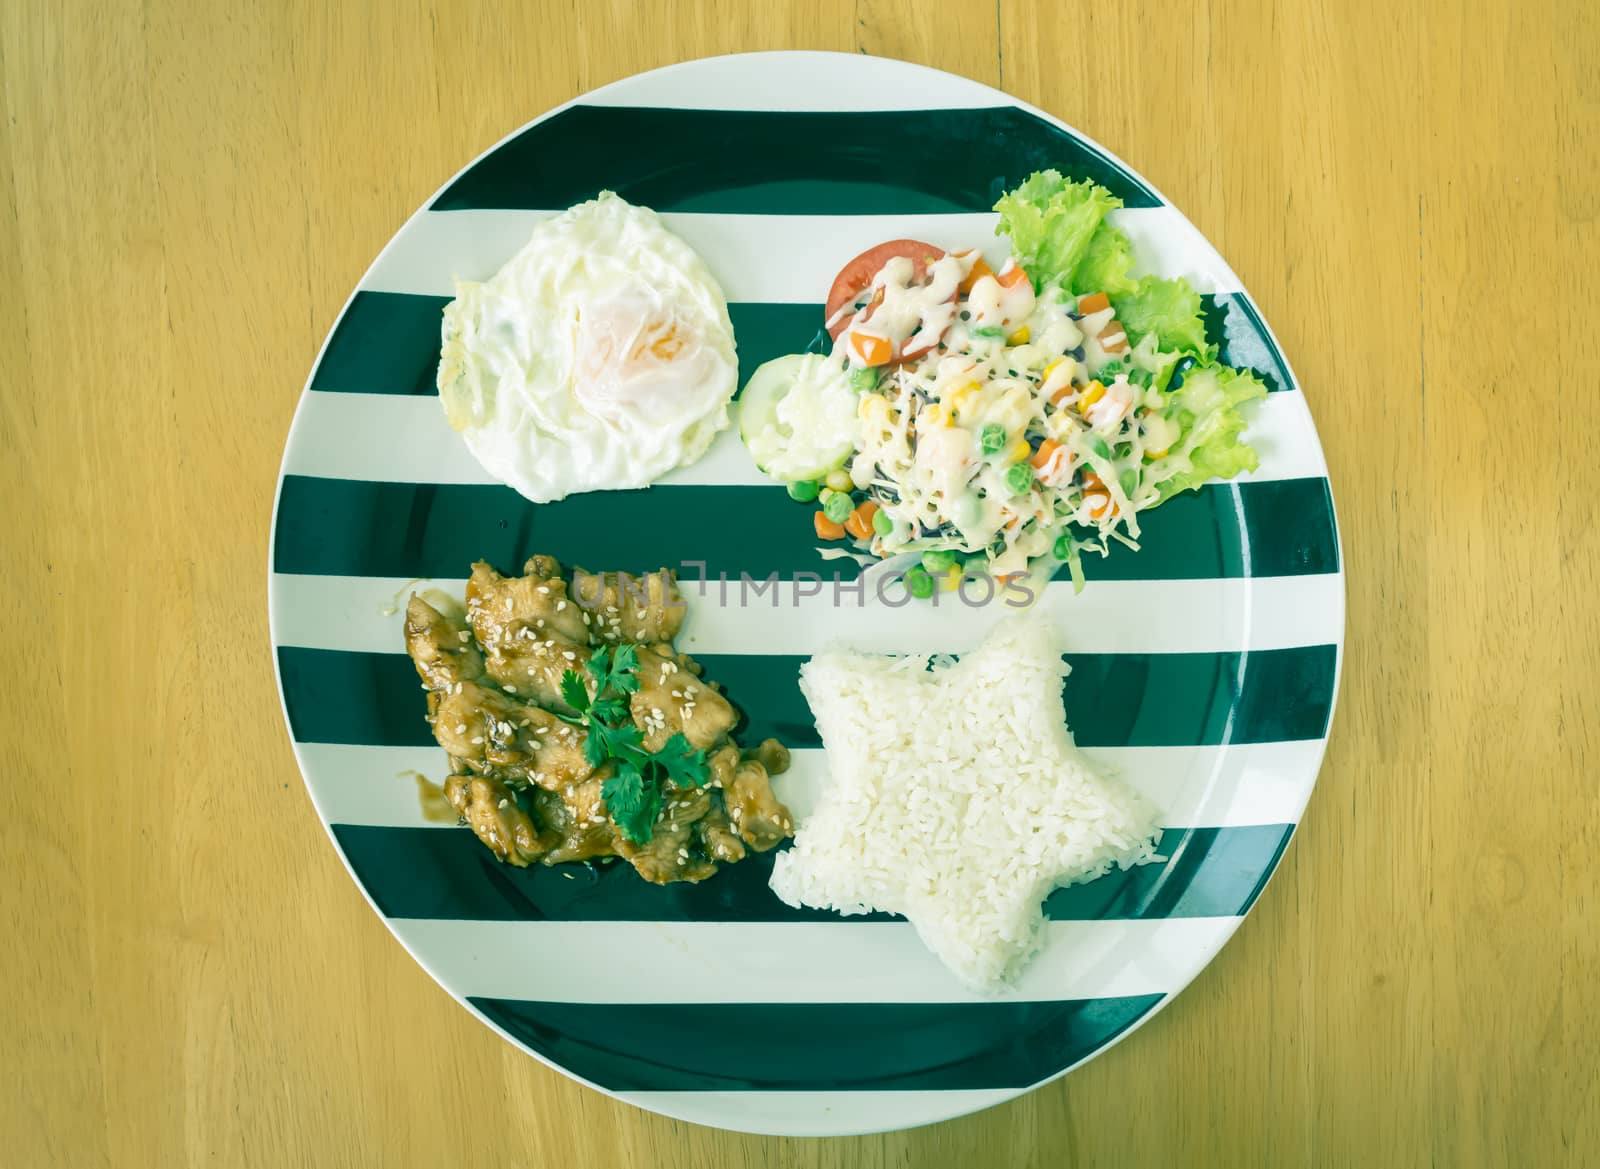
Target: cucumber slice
x=797, y=417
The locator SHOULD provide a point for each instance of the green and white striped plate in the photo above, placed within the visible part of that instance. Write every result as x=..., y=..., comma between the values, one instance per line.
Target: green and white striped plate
x=1204, y=667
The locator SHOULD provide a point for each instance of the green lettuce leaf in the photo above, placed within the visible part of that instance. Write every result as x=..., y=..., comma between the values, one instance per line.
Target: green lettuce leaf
x=1168, y=308
x=1105, y=264
x=1206, y=408
x=1051, y=223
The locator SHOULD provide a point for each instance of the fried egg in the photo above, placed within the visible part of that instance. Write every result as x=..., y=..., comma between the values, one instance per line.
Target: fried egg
x=599, y=357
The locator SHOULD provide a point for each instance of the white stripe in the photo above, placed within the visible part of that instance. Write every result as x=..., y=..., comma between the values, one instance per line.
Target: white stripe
x=398, y=438
x=788, y=81
x=785, y=259
x=1192, y=787
x=810, y=1114
x=366, y=614
x=791, y=962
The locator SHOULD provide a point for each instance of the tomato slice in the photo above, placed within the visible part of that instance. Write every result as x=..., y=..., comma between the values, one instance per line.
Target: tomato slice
x=856, y=276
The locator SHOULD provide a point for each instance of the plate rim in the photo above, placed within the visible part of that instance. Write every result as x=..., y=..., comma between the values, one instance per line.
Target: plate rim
x=730, y=1122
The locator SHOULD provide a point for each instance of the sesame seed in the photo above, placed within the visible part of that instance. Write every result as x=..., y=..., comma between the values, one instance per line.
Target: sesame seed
x=560, y=605
x=461, y=728
x=569, y=655
x=476, y=739
x=510, y=689
x=544, y=589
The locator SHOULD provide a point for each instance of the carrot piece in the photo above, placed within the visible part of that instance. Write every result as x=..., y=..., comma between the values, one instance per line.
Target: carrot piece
x=1113, y=339
x=980, y=269
x=826, y=528
x=870, y=349
x=1012, y=275
x=1093, y=303
x=1063, y=392
x=1042, y=456
x=1097, y=509
x=1091, y=482
x=859, y=524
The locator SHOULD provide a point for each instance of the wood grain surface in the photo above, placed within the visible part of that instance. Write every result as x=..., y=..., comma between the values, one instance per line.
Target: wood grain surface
x=1412, y=193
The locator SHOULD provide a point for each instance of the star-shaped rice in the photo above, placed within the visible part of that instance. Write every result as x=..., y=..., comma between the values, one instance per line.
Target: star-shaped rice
x=956, y=798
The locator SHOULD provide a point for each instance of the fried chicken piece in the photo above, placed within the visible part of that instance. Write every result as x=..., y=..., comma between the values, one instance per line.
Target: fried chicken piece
x=440, y=646
x=500, y=608
x=576, y=815
x=772, y=755
x=667, y=856
x=753, y=808
x=626, y=608
x=490, y=808
x=716, y=836
x=670, y=699
x=492, y=733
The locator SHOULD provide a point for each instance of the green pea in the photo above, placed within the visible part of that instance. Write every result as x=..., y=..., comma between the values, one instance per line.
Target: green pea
x=1019, y=477
x=938, y=560
x=864, y=379
x=1063, y=547
x=803, y=491
x=991, y=438
x=918, y=581
x=882, y=523
x=1110, y=369
x=838, y=506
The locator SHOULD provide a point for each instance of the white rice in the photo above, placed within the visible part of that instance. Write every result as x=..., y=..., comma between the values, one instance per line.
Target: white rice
x=957, y=798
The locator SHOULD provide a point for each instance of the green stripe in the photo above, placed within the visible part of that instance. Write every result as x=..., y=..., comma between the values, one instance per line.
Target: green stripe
x=760, y=162
x=348, y=527
x=847, y=1047
x=1234, y=326
x=1111, y=700
x=446, y=873
x=388, y=342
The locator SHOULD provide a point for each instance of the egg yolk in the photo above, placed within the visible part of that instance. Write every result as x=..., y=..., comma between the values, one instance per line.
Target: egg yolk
x=634, y=359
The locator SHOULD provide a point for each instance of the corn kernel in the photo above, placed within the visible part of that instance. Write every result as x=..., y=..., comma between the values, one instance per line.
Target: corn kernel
x=1091, y=395
x=962, y=398
x=950, y=579
x=874, y=408
x=1020, y=337
x=1160, y=454
x=839, y=480
x=1020, y=450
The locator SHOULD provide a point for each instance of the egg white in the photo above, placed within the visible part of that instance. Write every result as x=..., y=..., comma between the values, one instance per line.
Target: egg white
x=599, y=357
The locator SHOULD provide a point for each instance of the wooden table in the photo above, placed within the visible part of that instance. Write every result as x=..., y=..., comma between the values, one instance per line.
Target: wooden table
x=1411, y=192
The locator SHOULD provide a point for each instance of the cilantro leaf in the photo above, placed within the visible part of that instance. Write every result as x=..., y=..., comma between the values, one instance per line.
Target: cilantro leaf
x=600, y=667
x=608, y=709
x=632, y=803
x=683, y=765
x=573, y=691
x=610, y=743
x=625, y=671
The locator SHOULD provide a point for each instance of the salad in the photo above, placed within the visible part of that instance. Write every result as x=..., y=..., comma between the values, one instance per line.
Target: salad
x=1001, y=421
